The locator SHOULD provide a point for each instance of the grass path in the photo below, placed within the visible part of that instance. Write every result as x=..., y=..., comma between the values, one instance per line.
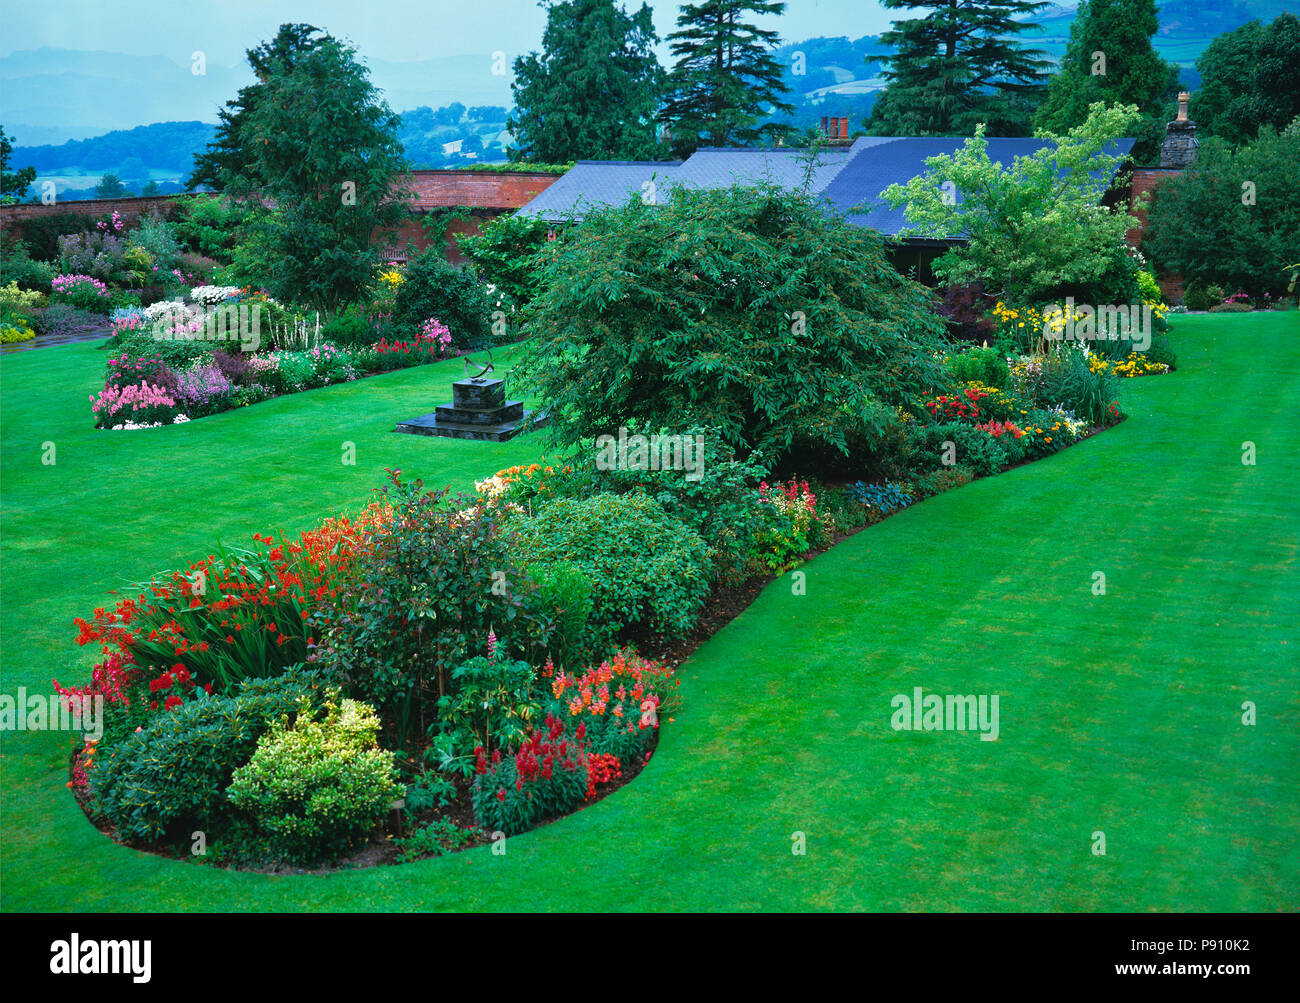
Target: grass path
x=1119, y=713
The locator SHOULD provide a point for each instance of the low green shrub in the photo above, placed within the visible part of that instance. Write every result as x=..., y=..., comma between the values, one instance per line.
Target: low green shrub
x=450, y=293
x=972, y=448
x=492, y=705
x=319, y=784
x=561, y=599
x=979, y=365
x=169, y=777
x=1161, y=351
x=719, y=499
x=17, y=266
x=647, y=568
x=432, y=839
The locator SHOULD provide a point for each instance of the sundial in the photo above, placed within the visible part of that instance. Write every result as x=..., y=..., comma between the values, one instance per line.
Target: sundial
x=478, y=410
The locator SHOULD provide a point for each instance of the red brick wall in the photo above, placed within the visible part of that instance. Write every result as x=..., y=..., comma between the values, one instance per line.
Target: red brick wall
x=488, y=193
x=131, y=209
x=1145, y=182
x=415, y=233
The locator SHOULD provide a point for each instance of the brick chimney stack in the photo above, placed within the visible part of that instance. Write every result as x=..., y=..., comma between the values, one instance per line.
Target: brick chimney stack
x=836, y=130
x=1180, y=146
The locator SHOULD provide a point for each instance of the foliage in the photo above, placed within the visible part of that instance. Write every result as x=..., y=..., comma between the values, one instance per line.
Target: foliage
x=209, y=224
x=1232, y=218
x=452, y=293
x=726, y=79
x=1250, y=77
x=321, y=143
x=652, y=570
x=432, y=839
x=230, y=154
x=110, y=186
x=492, y=705
x=956, y=66
x=505, y=253
x=154, y=236
x=562, y=598
x=982, y=365
x=41, y=233
x=13, y=184
x=14, y=327
x=170, y=776
x=593, y=90
x=1037, y=230
x=17, y=265
x=750, y=310
x=972, y=448
x=319, y=784
x=66, y=319
x=719, y=500
x=1067, y=380
x=885, y=498
x=1133, y=74
x=964, y=309
x=421, y=598
x=545, y=776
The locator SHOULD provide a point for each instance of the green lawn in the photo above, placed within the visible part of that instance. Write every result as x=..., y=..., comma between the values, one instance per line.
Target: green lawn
x=1119, y=713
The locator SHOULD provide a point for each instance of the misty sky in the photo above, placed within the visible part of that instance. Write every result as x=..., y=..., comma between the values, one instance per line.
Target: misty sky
x=381, y=29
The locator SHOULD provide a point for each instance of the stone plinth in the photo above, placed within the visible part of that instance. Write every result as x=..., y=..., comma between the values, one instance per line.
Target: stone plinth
x=478, y=411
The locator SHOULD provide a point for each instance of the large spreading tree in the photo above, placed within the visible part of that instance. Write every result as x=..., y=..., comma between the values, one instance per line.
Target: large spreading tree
x=1250, y=77
x=1110, y=58
x=727, y=80
x=1037, y=230
x=958, y=66
x=322, y=148
x=593, y=90
x=752, y=310
x=228, y=155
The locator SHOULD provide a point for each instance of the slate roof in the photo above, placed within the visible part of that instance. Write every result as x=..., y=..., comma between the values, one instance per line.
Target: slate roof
x=591, y=184
x=875, y=168
x=850, y=178
x=722, y=168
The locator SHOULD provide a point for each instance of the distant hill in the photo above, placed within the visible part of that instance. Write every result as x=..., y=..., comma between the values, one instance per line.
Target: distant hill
x=448, y=136
x=50, y=95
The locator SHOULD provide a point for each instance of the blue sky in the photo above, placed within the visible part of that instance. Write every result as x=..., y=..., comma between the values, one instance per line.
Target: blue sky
x=381, y=29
